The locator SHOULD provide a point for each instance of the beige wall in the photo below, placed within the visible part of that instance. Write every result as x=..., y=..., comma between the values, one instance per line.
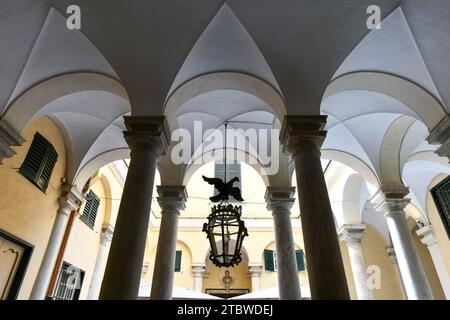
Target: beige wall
x=25, y=211
x=83, y=243
x=428, y=265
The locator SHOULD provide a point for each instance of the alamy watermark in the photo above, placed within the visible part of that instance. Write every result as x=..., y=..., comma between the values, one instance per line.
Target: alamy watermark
x=253, y=146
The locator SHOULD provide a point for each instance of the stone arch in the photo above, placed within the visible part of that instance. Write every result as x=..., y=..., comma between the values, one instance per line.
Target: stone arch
x=236, y=81
x=99, y=161
x=420, y=100
x=390, y=162
x=368, y=174
x=351, y=213
x=32, y=101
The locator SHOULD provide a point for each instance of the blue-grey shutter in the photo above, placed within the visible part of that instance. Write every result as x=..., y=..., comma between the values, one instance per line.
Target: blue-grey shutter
x=39, y=162
x=300, y=260
x=178, y=260
x=233, y=170
x=268, y=260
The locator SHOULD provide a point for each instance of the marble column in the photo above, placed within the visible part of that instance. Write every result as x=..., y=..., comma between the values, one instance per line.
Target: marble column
x=429, y=239
x=303, y=136
x=8, y=138
x=147, y=138
x=69, y=200
x=255, y=271
x=352, y=235
x=198, y=270
x=441, y=135
x=393, y=257
x=280, y=202
x=100, y=262
x=171, y=200
x=391, y=202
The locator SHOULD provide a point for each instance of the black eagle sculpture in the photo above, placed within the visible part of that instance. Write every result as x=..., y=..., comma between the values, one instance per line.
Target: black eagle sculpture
x=225, y=189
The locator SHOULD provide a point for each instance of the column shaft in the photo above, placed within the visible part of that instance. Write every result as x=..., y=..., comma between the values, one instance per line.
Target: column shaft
x=171, y=201
x=391, y=254
x=100, y=263
x=198, y=270
x=162, y=284
x=280, y=201
x=430, y=240
x=255, y=273
x=352, y=235
x=70, y=200
x=147, y=138
x=391, y=202
x=303, y=136
x=288, y=282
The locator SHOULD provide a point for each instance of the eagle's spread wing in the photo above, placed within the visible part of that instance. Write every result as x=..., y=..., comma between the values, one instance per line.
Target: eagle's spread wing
x=236, y=193
x=218, y=183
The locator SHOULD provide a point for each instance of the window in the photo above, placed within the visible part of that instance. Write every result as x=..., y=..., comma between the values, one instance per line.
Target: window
x=178, y=261
x=268, y=260
x=69, y=282
x=271, y=263
x=233, y=170
x=299, y=254
x=441, y=197
x=90, y=209
x=39, y=162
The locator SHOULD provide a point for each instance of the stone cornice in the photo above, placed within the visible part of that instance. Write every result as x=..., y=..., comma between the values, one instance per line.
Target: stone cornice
x=172, y=197
x=427, y=235
x=441, y=135
x=301, y=131
x=70, y=198
x=280, y=197
x=352, y=233
x=8, y=137
x=147, y=133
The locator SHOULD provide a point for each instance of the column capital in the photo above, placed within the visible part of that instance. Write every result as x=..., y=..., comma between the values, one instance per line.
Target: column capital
x=352, y=233
x=8, y=137
x=147, y=133
x=255, y=269
x=198, y=269
x=107, y=232
x=300, y=131
x=441, y=135
x=70, y=198
x=391, y=254
x=390, y=199
x=279, y=197
x=428, y=237
x=172, y=197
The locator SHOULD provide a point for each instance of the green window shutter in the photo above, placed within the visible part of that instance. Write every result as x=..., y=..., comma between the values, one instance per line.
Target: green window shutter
x=39, y=162
x=268, y=260
x=90, y=209
x=300, y=260
x=441, y=198
x=178, y=260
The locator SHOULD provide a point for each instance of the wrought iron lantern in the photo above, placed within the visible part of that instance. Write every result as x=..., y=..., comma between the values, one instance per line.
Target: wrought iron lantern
x=225, y=229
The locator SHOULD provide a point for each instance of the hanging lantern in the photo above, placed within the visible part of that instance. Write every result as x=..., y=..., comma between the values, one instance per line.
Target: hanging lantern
x=225, y=231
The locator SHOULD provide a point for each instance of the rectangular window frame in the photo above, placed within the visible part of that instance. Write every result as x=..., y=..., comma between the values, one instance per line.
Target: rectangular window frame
x=40, y=173
x=442, y=202
x=90, y=209
x=62, y=291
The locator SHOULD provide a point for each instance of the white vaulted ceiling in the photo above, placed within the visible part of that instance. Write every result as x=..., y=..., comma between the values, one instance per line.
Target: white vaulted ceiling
x=138, y=54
